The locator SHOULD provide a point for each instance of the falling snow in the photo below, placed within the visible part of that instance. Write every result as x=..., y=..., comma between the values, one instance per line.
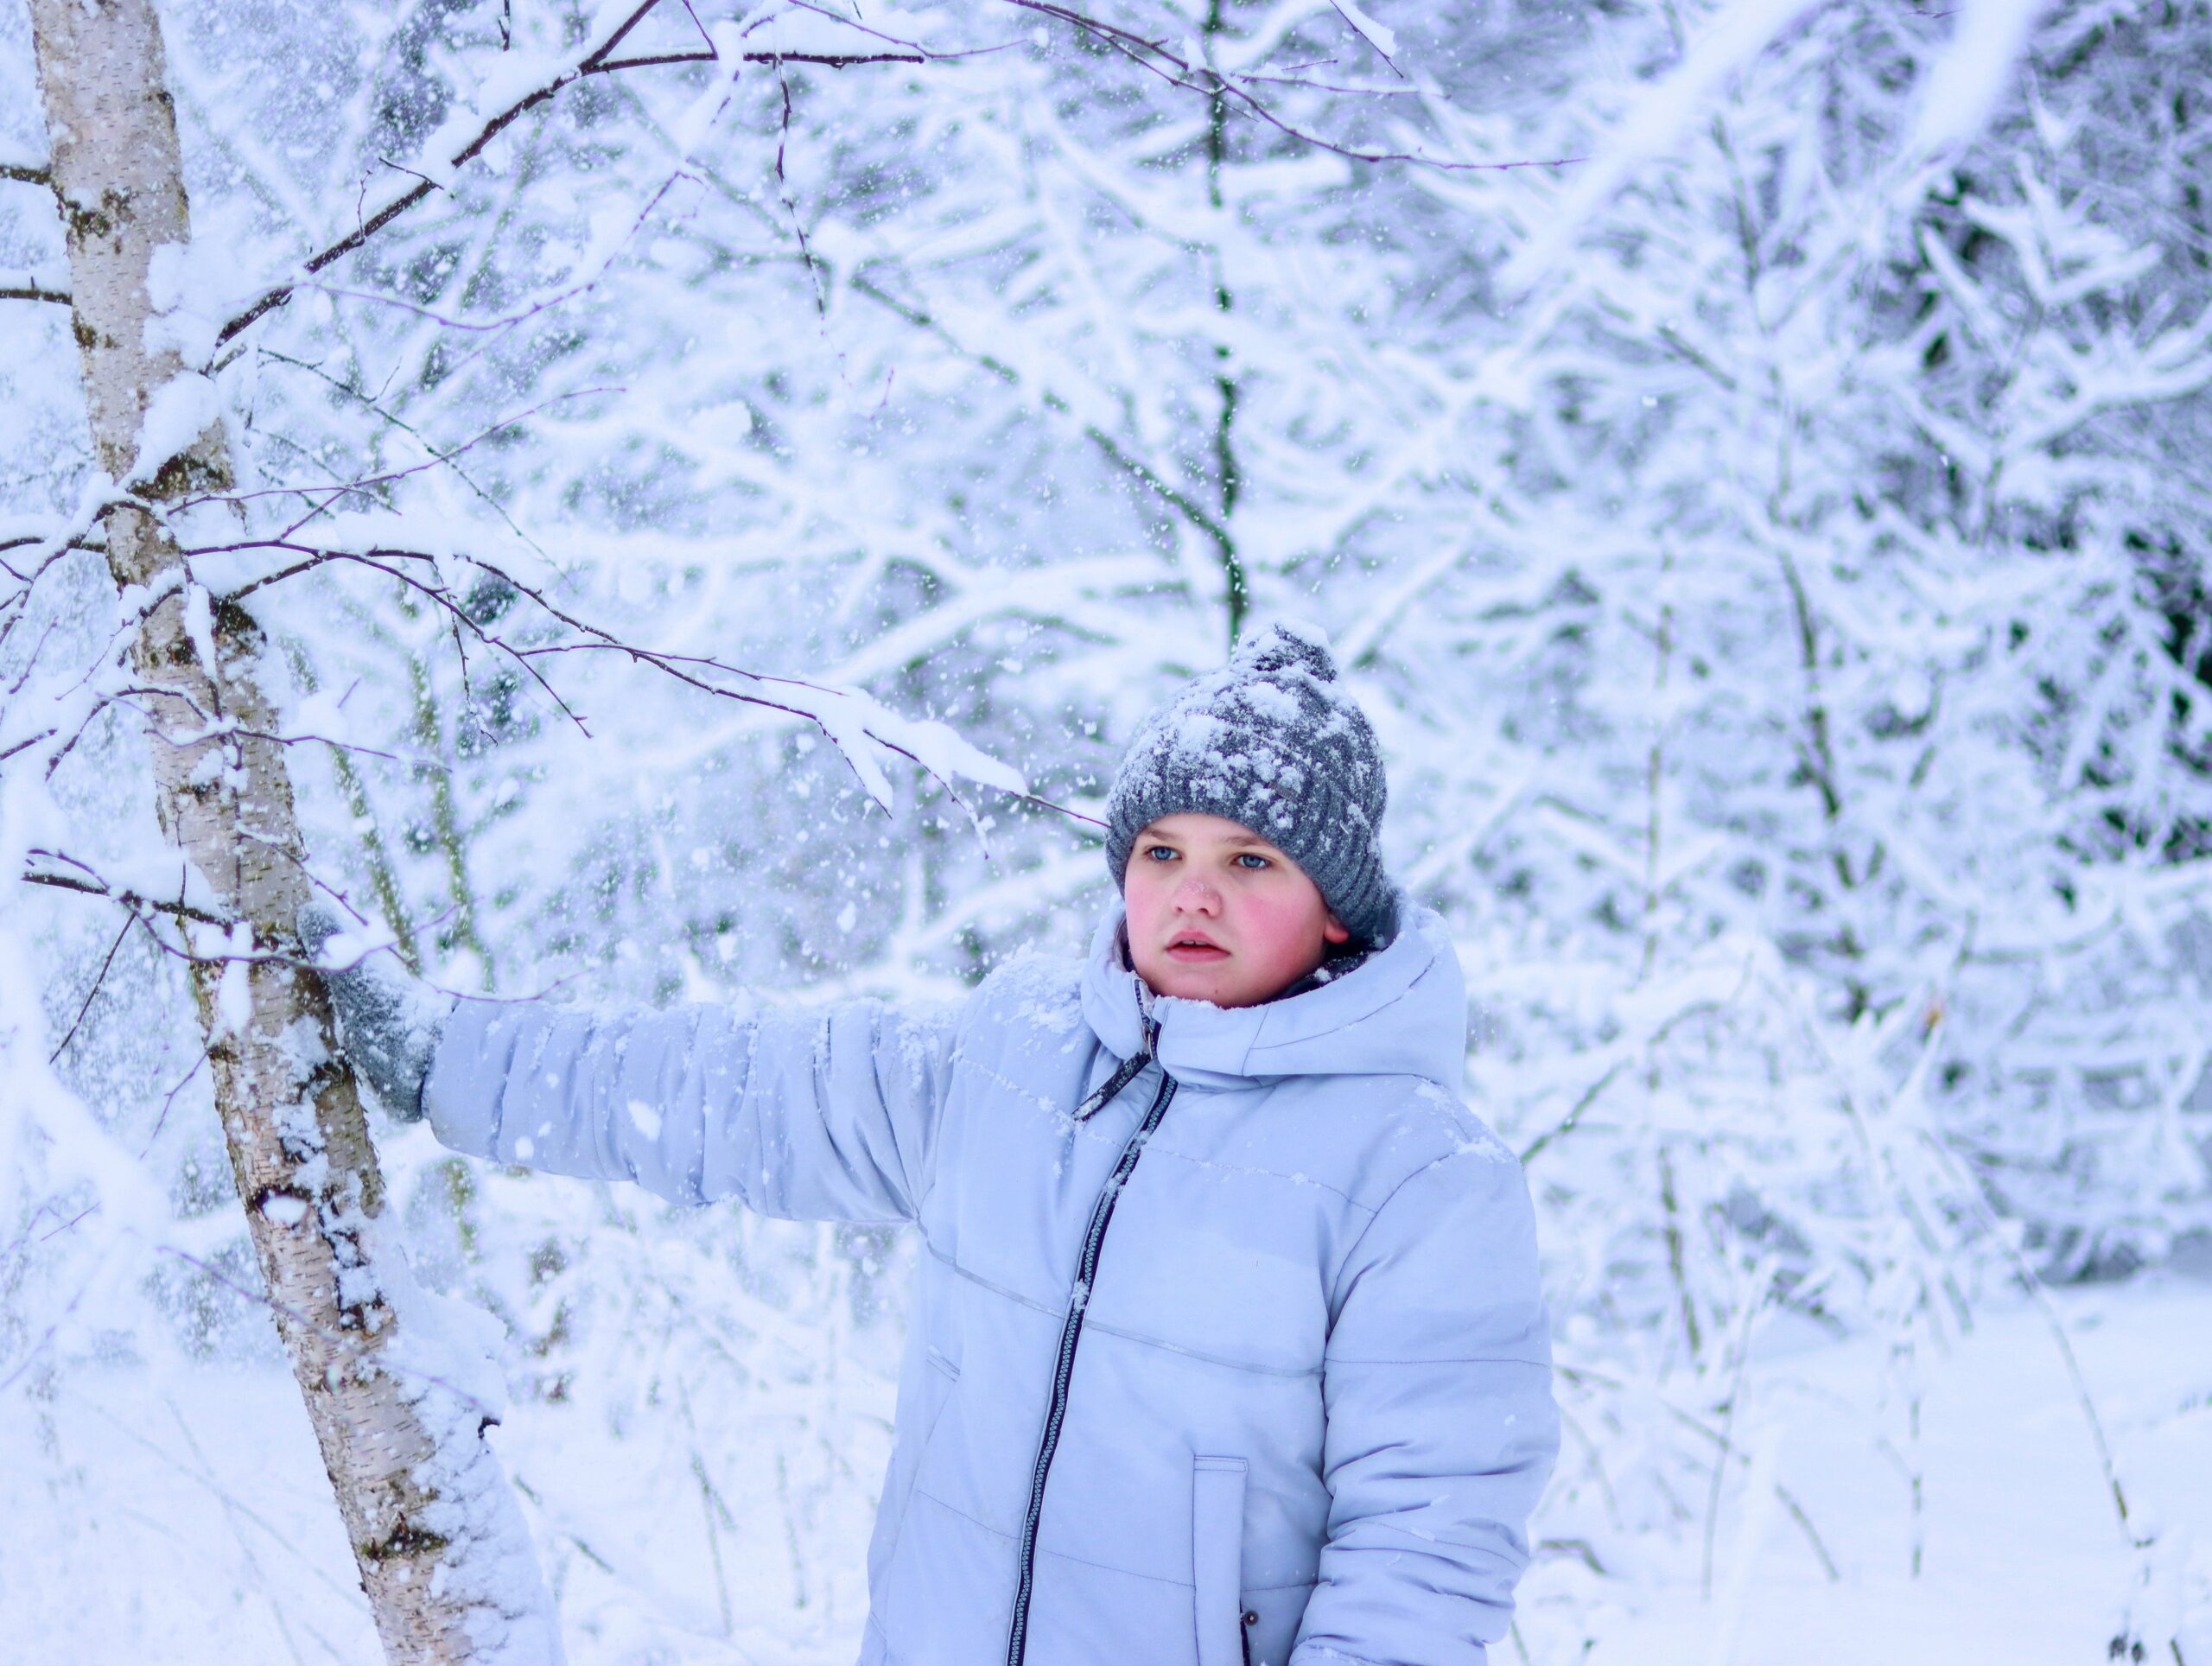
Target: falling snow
x=716, y=544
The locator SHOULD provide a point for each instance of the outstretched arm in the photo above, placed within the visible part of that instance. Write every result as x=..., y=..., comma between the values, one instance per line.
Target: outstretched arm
x=1441, y=1428
x=809, y=1114
x=824, y=1114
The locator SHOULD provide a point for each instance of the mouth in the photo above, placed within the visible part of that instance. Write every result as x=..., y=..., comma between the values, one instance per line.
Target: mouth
x=1195, y=949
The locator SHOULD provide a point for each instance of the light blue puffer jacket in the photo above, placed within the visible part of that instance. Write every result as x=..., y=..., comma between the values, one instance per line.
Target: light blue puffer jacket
x=1260, y=1335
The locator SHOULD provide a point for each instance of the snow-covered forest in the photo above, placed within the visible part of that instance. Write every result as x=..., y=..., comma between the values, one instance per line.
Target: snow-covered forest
x=713, y=525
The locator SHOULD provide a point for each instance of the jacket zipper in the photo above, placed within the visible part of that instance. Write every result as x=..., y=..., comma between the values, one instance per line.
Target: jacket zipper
x=1102, y=1212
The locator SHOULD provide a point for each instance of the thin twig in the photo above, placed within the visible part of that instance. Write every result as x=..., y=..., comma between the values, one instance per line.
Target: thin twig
x=1138, y=470
x=2032, y=1281
x=1577, y=1376
x=1812, y=1536
x=27, y=743
x=437, y=595
x=52, y=555
x=1360, y=29
x=168, y=1100
x=905, y=51
x=1763, y=1277
x=344, y=488
x=1566, y=1123
x=1156, y=57
x=130, y=899
x=600, y=61
x=460, y=474
x=99, y=979
x=790, y=205
x=694, y=670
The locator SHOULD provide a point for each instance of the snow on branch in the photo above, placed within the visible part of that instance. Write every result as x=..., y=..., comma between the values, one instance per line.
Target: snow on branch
x=25, y=169
x=856, y=723
x=524, y=87
x=34, y=285
x=65, y=873
x=1180, y=66
x=514, y=92
x=177, y=413
x=1383, y=42
x=1093, y=430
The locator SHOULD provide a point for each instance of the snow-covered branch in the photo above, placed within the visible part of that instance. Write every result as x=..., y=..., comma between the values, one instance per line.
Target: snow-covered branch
x=518, y=90
x=35, y=286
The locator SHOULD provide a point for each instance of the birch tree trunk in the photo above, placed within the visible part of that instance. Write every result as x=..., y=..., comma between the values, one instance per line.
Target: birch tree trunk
x=442, y=1551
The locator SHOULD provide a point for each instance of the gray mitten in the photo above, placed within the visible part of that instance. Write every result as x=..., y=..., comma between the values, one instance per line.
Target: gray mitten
x=388, y=1021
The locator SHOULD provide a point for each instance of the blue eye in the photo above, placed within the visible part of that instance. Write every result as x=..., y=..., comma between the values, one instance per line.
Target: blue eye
x=1160, y=853
x=1251, y=859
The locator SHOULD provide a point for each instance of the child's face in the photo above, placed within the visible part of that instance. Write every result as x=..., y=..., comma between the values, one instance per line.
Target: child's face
x=1217, y=914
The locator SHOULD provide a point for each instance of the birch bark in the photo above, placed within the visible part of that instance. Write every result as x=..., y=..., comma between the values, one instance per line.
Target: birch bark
x=443, y=1555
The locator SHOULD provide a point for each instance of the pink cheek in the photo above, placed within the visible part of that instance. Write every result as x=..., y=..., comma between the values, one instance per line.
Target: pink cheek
x=1145, y=900
x=1265, y=928
x=1282, y=929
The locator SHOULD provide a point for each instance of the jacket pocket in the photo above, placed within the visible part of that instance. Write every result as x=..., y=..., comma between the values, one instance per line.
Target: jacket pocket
x=1217, y=1558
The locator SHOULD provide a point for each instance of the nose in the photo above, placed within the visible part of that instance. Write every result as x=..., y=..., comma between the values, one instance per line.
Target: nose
x=1196, y=896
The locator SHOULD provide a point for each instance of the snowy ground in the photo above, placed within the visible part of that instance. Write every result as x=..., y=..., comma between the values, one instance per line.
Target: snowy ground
x=2023, y=1562
x=185, y=1521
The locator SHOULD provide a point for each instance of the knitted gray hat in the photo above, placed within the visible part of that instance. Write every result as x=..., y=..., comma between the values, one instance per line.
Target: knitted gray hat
x=1270, y=741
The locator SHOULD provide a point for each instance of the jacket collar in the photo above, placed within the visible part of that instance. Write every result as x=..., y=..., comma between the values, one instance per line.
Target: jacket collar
x=1401, y=1011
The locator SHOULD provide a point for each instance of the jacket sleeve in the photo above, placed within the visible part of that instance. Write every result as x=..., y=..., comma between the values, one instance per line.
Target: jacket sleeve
x=1441, y=1427
x=818, y=1114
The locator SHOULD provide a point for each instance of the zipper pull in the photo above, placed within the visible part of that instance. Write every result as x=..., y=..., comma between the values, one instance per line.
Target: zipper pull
x=1130, y=1068
x=1148, y=1026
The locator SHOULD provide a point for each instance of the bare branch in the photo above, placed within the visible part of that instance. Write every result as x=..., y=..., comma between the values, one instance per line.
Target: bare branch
x=168, y=1103
x=694, y=670
x=1153, y=55
x=1303, y=84
x=33, y=291
x=52, y=556
x=435, y=593
x=24, y=173
x=599, y=61
x=848, y=60
x=908, y=51
x=336, y=490
x=1174, y=497
x=26, y=743
x=409, y=428
x=99, y=981
x=90, y=884
x=597, y=64
x=1181, y=502
x=141, y=909
x=1365, y=31
x=493, y=325
x=1159, y=58
x=791, y=204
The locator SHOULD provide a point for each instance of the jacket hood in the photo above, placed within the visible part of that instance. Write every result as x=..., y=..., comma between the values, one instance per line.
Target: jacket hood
x=1401, y=1012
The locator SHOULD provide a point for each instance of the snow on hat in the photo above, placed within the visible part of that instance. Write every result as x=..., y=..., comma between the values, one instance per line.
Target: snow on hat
x=1273, y=741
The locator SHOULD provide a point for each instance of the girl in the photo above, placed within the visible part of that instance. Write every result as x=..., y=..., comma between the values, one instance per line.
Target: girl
x=1228, y=1346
